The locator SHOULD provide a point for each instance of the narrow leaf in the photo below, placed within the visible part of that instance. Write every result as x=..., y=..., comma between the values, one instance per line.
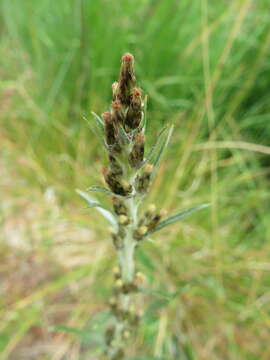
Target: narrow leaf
x=100, y=208
x=68, y=329
x=174, y=218
x=98, y=119
x=97, y=131
x=153, y=149
x=163, y=146
x=91, y=201
x=144, y=113
x=160, y=146
x=163, y=294
x=124, y=136
x=101, y=189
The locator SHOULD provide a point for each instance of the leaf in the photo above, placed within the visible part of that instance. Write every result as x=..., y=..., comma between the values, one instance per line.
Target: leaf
x=79, y=332
x=160, y=146
x=144, y=113
x=154, y=147
x=97, y=130
x=174, y=218
x=92, y=202
x=98, y=119
x=92, y=332
x=164, y=295
x=163, y=146
x=100, y=208
x=101, y=189
x=124, y=136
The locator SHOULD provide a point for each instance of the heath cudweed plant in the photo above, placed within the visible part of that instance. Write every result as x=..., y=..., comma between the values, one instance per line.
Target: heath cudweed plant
x=128, y=176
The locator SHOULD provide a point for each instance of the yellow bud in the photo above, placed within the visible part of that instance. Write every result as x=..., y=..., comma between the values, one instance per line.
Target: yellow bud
x=142, y=230
x=132, y=309
x=123, y=220
x=119, y=283
x=139, y=279
x=126, y=334
x=151, y=208
x=116, y=270
x=125, y=185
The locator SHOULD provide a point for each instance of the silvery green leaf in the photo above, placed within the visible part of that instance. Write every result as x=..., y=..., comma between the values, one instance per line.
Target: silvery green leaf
x=153, y=149
x=165, y=295
x=160, y=146
x=97, y=130
x=98, y=119
x=174, y=218
x=144, y=113
x=92, y=332
x=91, y=201
x=163, y=145
x=81, y=333
x=100, y=208
x=101, y=189
x=124, y=137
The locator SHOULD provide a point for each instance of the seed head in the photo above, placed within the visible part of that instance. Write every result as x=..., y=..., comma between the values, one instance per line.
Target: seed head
x=127, y=79
x=115, y=90
x=148, y=168
x=117, y=112
x=119, y=207
x=140, y=232
x=117, y=241
x=134, y=113
x=128, y=58
x=110, y=129
x=137, y=152
x=143, y=181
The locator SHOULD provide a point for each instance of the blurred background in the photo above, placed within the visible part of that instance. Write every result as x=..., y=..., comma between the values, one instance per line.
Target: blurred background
x=205, y=66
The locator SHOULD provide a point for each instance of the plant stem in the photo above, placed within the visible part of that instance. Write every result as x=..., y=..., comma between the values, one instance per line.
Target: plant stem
x=126, y=262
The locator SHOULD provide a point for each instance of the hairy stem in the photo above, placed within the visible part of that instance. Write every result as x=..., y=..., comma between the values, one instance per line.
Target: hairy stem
x=126, y=263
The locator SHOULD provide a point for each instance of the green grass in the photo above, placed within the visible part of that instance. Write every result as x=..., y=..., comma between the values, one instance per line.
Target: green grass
x=205, y=67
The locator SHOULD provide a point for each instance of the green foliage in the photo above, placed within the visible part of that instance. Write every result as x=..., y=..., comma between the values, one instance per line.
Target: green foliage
x=94, y=203
x=176, y=217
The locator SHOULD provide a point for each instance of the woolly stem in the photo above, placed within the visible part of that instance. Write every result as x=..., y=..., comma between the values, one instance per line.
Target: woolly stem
x=126, y=263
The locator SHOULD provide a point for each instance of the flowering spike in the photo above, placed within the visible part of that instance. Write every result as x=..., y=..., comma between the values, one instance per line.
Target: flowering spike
x=134, y=113
x=137, y=153
x=110, y=129
x=127, y=80
x=129, y=179
x=117, y=112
